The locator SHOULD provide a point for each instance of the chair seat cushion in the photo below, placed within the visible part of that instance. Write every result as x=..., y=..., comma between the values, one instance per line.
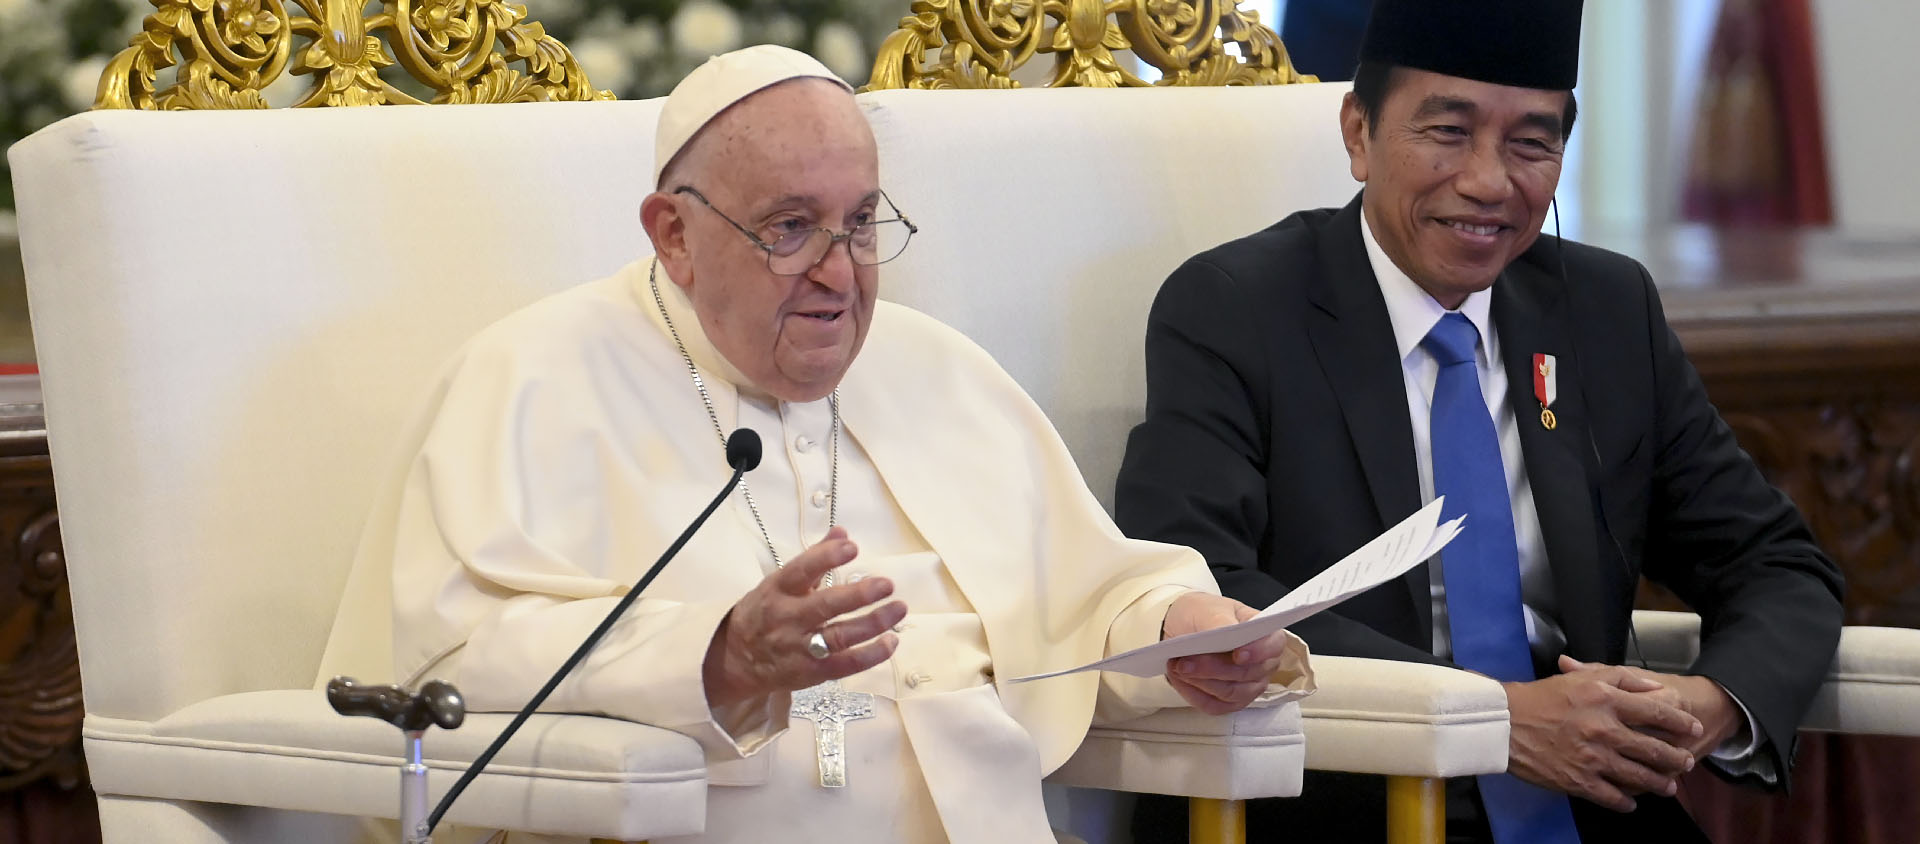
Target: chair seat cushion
x=287, y=749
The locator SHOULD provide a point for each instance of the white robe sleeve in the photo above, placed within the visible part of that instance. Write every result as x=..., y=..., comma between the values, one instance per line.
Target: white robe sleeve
x=1123, y=696
x=508, y=551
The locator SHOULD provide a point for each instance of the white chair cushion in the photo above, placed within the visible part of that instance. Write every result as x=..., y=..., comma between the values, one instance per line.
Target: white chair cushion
x=287, y=749
x=1404, y=719
x=1256, y=752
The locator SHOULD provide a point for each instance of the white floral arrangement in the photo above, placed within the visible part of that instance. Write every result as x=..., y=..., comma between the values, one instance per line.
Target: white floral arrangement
x=52, y=52
x=640, y=48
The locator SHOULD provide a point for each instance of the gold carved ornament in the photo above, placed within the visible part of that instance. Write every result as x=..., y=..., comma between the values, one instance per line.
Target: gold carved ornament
x=229, y=50
x=979, y=43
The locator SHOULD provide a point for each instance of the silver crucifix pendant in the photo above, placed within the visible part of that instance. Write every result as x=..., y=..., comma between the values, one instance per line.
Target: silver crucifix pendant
x=830, y=706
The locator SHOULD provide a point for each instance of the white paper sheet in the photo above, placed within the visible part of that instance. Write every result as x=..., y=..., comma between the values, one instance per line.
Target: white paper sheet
x=1389, y=555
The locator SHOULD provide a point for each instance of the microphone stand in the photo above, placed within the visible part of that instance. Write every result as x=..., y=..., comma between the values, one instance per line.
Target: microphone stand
x=743, y=454
x=438, y=703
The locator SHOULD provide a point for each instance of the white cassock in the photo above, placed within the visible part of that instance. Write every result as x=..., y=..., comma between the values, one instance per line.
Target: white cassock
x=567, y=446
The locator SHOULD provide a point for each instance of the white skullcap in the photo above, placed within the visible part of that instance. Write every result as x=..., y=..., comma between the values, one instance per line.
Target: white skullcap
x=720, y=82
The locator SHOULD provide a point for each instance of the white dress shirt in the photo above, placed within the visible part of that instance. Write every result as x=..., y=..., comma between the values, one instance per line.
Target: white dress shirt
x=1413, y=313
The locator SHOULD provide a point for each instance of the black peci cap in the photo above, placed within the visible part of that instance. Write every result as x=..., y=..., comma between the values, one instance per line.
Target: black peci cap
x=1523, y=43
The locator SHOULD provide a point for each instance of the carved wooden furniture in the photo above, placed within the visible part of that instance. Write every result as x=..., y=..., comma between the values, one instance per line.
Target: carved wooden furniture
x=229, y=50
x=222, y=53
x=1809, y=344
x=43, y=779
x=980, y=43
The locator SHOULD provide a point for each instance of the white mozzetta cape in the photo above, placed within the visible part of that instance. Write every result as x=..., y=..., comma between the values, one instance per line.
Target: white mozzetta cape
x=565, y=447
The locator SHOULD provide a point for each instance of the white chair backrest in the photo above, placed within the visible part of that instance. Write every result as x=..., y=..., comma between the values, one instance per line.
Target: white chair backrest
x=1052, y=216
x=237, y=312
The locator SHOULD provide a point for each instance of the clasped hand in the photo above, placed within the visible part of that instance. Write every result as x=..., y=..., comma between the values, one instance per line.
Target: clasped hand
x=1220, y=683
x=1608, y=732
x=760, y=647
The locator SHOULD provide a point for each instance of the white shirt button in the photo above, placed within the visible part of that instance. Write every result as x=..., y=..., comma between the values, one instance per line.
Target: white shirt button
x=901, y=627
x=918, y=679
x=802, y=444
x=856, y=577
x=819, y=499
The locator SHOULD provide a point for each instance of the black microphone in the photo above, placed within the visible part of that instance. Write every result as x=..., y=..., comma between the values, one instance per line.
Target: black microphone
x=743, y=450
x=743, y=454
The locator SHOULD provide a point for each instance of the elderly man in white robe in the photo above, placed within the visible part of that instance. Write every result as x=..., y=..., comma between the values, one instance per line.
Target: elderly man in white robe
x=571, y=442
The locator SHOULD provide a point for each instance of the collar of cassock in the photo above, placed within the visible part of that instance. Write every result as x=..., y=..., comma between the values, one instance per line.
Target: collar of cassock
x=711, y=362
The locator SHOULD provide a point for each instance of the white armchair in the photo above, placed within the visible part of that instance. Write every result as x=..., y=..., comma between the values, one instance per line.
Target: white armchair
x=237, y=310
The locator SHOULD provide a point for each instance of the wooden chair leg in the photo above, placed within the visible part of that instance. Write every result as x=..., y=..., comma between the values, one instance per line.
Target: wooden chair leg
x=1416, y=810
x=1216, y=821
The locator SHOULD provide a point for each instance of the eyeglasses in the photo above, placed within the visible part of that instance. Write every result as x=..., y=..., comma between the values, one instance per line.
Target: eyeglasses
x=799, y=251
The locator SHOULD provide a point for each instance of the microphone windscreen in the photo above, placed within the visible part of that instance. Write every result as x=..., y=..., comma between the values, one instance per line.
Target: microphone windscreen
x=743, y=450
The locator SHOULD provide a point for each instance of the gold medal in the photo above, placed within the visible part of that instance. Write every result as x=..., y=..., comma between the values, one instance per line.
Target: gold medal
x=1546, y=388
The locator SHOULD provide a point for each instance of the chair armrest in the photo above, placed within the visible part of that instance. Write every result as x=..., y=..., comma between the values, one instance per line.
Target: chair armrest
x=1669, y=641
x=573, y=775
x=1256, y=752
x=1374, y=716
x=1872, y=688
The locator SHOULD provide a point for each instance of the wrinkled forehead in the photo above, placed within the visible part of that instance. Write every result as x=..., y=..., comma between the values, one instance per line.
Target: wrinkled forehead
x=806, y=133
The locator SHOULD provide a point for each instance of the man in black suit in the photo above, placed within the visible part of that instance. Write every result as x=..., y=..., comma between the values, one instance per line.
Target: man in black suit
x=1314, y=383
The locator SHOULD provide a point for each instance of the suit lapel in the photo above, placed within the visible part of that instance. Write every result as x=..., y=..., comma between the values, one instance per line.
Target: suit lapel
x=1530, y=314
x=1353, y=339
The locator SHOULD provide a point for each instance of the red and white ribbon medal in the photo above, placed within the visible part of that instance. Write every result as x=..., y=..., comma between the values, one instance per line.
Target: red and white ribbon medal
x=1546, y=387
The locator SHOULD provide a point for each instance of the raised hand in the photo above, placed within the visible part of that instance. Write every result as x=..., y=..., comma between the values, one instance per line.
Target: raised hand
x=1223, y=682
x=761, y=646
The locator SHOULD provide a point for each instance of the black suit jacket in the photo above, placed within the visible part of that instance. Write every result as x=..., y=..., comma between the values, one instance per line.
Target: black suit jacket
x=1277, y=440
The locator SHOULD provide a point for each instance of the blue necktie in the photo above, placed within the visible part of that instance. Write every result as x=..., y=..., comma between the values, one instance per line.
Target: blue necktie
x=1482, y=569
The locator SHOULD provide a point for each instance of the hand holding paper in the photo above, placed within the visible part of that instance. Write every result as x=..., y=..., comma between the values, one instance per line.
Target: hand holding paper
x=1388, y=556
x=1220, y=683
